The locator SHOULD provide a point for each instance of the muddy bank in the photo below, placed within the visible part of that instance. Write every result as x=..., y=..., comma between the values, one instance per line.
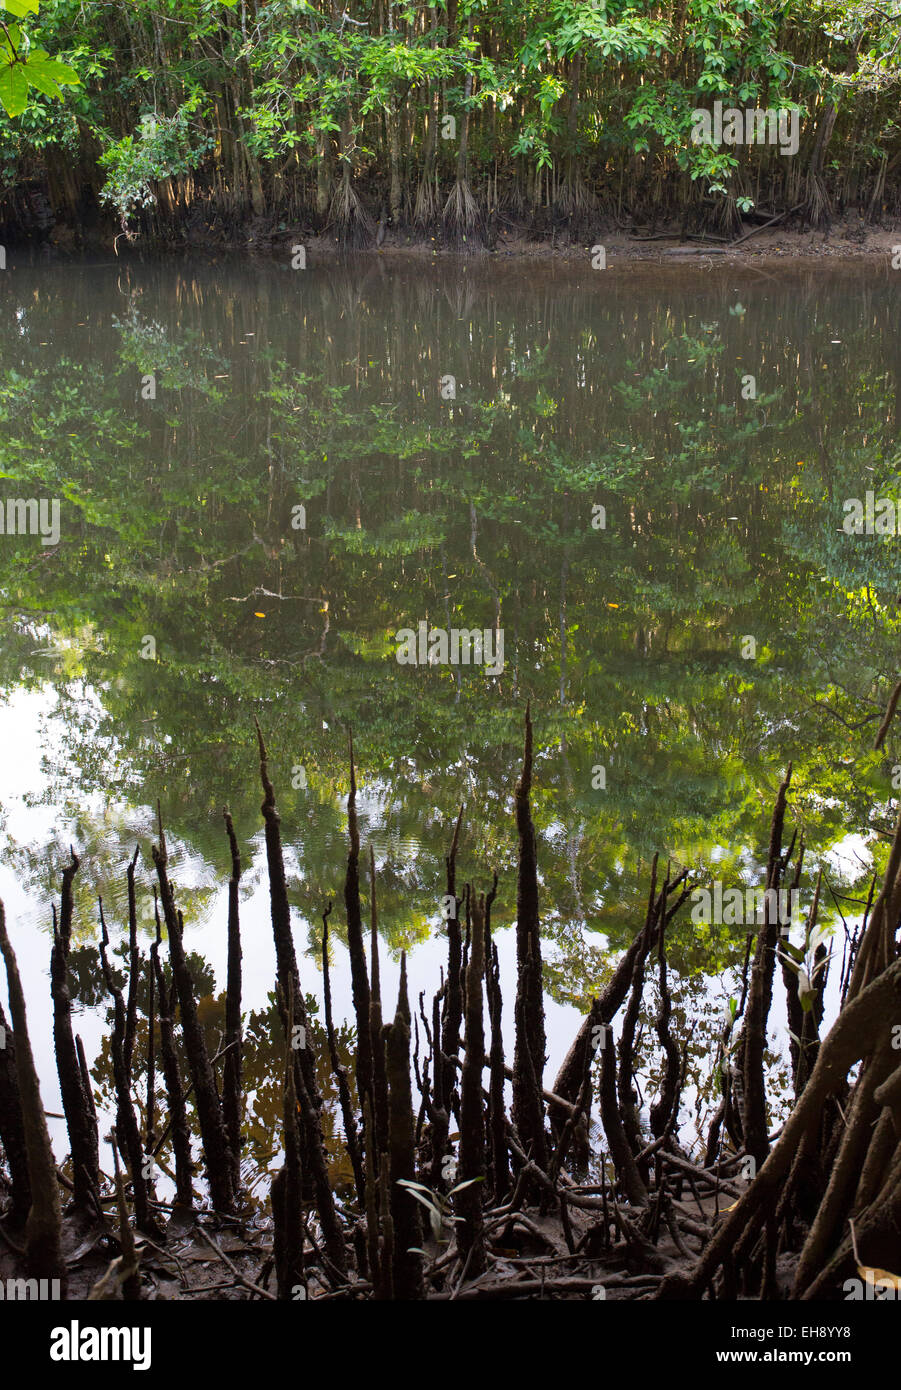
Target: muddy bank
x=848, y=238
x=851, y=240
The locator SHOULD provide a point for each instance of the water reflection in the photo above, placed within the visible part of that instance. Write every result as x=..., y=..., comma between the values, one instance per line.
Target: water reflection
x=184, y=412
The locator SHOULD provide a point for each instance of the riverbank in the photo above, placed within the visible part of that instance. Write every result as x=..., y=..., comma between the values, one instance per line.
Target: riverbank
x=847, y=239
x=850, y=240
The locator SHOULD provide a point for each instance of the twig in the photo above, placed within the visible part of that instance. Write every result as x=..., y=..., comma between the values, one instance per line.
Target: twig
x=245, y=1283
x=763, y=226
x=889, y=714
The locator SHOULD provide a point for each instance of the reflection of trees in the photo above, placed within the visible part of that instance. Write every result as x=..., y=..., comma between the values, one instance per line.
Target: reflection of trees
x=263, y=1067
x=626, y=640
x=696, y=1023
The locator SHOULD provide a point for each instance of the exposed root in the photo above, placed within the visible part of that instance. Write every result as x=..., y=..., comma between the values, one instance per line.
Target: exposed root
x=462, y=219
x=352, y=224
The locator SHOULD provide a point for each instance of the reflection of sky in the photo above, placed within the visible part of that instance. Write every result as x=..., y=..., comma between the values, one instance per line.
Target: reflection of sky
x=31, y=735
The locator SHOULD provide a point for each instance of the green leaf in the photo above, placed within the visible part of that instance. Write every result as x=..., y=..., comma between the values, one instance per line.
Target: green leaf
x=460, y=1185
x=42, y=82
x=20, y=7
x=429, y=1206
x=52, y=68
x=14, y=90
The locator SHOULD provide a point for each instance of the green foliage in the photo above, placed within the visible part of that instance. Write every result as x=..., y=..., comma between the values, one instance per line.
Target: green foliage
x=162, y=147
x=254, y=99
x=24, y=65
x=439, y=1206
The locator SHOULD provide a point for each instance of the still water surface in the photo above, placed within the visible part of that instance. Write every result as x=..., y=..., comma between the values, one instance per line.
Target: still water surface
x=265, y=475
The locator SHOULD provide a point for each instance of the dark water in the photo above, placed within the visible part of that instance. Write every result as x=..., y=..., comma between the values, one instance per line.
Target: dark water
x=264, y=475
